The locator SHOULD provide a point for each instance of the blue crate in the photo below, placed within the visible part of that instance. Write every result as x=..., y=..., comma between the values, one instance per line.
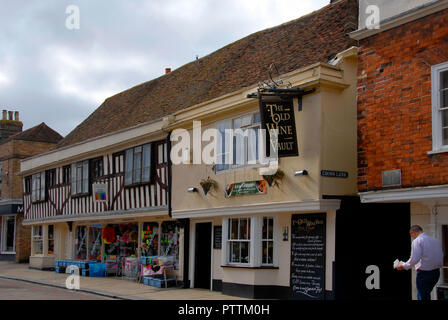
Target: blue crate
x=59, y=269
x=97, y=270
x=159, y=283
x=85, y=272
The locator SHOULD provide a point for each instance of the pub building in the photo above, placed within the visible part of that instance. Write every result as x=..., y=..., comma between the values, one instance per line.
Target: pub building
x=298, y=234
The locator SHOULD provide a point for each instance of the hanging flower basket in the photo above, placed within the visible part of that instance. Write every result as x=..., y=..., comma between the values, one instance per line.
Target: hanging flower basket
x=274, y=179
x=208, y=184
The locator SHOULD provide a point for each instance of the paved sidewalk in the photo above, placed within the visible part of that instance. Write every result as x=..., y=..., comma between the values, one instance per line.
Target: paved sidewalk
x=110, y=287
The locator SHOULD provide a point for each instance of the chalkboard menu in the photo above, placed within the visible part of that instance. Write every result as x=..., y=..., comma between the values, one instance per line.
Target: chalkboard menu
x=308, y=256
x=217, y=237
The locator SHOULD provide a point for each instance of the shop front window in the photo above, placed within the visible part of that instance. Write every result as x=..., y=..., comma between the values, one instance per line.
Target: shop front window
x=268, y=241
x=37, y=240
x=94, y=242
x=150, y=239
x=81, y=243
x=121, y=240
x=169, y=242
x=50, y=239
x=239, y=240
x=9, y=226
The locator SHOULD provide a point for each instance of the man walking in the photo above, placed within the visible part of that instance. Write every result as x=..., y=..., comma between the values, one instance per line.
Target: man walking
x=427, y=257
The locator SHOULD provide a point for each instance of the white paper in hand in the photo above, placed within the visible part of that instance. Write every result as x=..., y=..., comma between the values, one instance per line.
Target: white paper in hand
x=396, y=263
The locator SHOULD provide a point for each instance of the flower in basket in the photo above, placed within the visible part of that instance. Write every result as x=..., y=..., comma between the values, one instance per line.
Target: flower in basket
x=274, y=179
x=208, y=184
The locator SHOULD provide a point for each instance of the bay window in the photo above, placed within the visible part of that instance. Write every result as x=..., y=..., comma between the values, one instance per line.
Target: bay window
x=237, y=143
x=250, y=241
x=138, y=165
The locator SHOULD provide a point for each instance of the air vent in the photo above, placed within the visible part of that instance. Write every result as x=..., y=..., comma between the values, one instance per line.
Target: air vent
x=391, y=178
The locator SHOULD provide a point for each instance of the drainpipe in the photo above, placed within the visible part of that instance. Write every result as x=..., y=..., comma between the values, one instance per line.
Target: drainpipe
x=168, y=147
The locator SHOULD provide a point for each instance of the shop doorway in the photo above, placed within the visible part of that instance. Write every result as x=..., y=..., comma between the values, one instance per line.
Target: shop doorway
x=203, y=256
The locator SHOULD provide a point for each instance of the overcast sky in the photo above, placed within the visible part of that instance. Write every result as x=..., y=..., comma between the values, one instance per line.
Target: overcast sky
x=56, y=75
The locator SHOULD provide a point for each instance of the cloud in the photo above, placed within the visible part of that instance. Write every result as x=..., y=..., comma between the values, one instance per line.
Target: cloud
x=59, y=76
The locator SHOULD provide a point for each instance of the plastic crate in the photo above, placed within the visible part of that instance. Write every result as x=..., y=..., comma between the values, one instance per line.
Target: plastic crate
x=85, y=272
x=59, y=269
x=97, y=270
x=159, y=282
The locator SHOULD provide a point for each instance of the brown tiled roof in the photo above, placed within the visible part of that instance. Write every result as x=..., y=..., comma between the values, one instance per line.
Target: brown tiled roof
x=39, y=133
x=313, y=38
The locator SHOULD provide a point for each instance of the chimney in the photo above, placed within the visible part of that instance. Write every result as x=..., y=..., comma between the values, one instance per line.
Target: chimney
x=10, y=124
x=167, y=70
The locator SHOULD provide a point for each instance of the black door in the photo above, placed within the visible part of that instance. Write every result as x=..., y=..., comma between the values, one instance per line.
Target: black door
x=372, y=234
x=202, y=260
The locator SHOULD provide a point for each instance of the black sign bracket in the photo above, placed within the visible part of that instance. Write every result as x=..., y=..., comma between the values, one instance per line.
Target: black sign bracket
x=287, y=93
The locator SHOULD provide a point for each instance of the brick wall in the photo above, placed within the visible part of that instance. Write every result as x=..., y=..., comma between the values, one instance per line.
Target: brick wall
x=11, y=153
x=394, y=103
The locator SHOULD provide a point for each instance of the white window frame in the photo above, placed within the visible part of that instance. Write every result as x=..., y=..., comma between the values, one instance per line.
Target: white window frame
x=38, y=187
x=230, y=241
x=228, y=153
x=437, y=138
x=3, y=238
x=80, y=185
x=256, y=243
x=263, y=240
x=35, y=239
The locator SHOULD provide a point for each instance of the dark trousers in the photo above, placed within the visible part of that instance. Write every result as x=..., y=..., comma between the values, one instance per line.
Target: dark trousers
x=426, y=280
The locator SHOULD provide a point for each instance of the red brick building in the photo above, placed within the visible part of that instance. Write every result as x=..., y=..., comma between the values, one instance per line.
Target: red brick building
x=403, y=113
x=15, y=145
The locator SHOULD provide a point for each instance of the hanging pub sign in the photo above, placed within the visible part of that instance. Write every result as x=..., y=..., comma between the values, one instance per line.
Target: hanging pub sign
x=277, y=113
x=243, y=188
x=100, y=192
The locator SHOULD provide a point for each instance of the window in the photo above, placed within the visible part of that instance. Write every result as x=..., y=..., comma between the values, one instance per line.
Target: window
x=440, y=106
x=240, y=148
x=138, y=165
x=239, y=240
x=80, y=177
x=38, y=187
x=37, y=240
x=94, y=242
x=97, y=168
x=66, y=175
x=81, y=243
x=268, y=241
x=150, y=239
x=250, y=242
x=50, y=239
x=28, y=184
x=51, y=178
x=8, y=234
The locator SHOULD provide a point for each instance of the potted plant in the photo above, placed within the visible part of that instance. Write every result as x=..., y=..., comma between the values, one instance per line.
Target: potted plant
x=208, y=184
x=274, y=179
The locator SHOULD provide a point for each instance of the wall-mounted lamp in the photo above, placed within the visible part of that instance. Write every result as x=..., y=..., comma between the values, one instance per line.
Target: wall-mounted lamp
x=191, y=190
x=301, y=173
x=285, y=233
